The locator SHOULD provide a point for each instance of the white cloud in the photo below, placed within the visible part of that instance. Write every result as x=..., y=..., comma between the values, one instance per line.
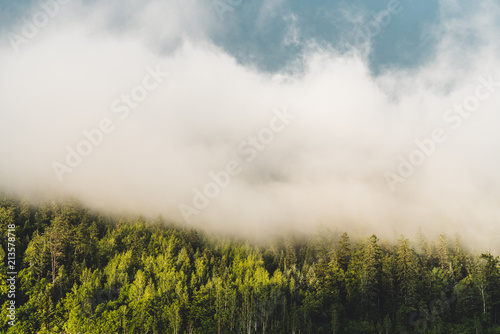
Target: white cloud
x=326, y=167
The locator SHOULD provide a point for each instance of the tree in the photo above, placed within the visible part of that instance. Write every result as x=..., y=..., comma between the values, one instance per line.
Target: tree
x=343, y=251
x=444, y=261
x=406, y=272
x=56, y=236
x=371, y=276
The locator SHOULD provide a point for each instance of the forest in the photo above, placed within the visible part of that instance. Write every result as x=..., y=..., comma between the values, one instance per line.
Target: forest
x=79, y=271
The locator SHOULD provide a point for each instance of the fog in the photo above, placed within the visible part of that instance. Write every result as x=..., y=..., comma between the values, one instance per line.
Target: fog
x=188, y=132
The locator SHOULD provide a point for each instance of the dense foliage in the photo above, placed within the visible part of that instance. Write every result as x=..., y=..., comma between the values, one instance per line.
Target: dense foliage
x=82, y=273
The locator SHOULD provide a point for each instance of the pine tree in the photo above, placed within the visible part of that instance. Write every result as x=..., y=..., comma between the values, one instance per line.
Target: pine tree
x=407, y=271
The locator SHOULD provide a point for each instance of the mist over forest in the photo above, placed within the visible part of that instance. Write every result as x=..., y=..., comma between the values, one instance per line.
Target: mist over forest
x=82, y=272
x=227, y=127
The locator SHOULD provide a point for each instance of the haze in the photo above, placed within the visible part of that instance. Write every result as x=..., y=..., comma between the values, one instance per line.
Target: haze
x=352, y=115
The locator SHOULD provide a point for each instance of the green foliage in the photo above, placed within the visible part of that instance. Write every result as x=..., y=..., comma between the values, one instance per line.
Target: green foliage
x=83, y=273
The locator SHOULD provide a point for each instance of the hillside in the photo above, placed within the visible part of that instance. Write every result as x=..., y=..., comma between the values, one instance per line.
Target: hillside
x=79, y=272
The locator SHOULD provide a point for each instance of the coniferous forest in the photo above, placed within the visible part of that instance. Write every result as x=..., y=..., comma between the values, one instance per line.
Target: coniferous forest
x=81, y=272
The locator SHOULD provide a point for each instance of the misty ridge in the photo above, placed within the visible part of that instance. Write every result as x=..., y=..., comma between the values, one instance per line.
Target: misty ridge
x=84, y=272
x=137, y=111
x=237, y=166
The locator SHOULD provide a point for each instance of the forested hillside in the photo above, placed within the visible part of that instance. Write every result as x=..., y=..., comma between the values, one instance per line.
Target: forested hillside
x=79, y=272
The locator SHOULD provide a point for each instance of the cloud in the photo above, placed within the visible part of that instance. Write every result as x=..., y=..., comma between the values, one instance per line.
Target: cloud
x=292, y=35
x=326, y=167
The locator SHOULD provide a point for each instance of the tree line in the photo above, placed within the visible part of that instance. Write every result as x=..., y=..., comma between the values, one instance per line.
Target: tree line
x=82, y=272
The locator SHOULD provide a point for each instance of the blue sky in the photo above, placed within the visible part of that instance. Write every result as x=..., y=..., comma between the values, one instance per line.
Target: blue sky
x=254, y=31
x=406, y=41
